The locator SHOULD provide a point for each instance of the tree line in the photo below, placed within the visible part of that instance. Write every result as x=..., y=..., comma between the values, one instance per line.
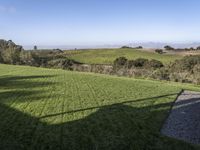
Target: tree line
x=11, y=53
x=186, y=69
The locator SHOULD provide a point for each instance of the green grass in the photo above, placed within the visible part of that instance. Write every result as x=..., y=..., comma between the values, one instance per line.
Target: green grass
x=107, y=56
x=57, y=109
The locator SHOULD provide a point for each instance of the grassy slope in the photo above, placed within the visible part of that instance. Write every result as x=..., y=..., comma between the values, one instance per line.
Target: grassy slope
x=56, y=109
x=107, y=56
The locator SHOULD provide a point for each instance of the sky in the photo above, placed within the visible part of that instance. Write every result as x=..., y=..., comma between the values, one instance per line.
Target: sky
x=95, y=22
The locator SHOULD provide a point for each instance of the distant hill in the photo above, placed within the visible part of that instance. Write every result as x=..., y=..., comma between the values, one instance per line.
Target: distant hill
x=107, y=56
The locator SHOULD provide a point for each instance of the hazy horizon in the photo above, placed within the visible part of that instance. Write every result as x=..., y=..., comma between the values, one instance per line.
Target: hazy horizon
x=116, y=45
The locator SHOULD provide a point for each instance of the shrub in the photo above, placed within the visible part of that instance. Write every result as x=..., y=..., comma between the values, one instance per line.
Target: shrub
x=119, y=62
x=130, y=64
x=62, y=63
x=154, y=64
x=26, y=58
x=161, y=74
x=185, y=64
x=140, y=62
x=180, y=77
x=159, y=51
x=187, y=49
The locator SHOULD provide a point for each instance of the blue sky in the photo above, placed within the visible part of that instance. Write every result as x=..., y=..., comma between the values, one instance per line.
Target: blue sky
x=87, y=22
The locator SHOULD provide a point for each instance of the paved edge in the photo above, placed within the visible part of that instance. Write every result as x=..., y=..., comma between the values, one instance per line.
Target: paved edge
x=183, y=121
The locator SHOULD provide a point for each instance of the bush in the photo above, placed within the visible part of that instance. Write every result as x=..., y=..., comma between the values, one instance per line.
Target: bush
x=159, y=51
x=160, y=74
x=185, y=64
x=61, y=63
x=140, y=62
x=154, y=64
x=26, y=58
x=130, y=64
x=119, y=62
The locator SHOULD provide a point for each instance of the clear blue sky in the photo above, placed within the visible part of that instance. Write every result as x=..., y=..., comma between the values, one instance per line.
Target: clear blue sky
x=71, y=22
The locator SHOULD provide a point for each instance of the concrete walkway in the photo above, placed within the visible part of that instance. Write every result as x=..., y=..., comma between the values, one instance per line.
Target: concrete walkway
x=184, y=120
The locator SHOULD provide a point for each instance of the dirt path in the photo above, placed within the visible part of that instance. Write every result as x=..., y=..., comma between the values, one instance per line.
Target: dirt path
x=184, y=120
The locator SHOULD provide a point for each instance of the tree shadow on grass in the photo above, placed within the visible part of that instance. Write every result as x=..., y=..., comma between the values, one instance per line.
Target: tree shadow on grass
x=23, y=96
x=23, y=86
x=19, y=82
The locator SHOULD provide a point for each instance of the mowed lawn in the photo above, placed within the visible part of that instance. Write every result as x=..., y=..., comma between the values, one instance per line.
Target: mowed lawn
x=57, y=109
x=107, y=56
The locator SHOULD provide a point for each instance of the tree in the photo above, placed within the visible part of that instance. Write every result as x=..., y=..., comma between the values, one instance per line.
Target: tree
x=1, y=58
x=35, y=47
x=139, y=47
x=125, y=47
x=198, y=48
x=192, y=48
x=10, y=52
x=26, y=58
x=167, y=47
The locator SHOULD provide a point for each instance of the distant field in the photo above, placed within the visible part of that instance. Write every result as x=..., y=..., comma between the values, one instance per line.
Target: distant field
x=57, y=109
x=107, y=56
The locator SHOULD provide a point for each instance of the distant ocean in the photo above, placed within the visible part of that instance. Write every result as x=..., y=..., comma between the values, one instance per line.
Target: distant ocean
x=145, y=45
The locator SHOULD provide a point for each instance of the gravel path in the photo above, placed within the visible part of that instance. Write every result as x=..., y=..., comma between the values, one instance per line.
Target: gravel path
x=184, y=120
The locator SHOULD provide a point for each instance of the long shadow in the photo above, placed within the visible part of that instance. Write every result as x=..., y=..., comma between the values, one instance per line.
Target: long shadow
x=116, y=104
x=111, y=127
x=21, y=96
x=14, y=86
x=10, y=78
x=18, y=82
x=119, y=126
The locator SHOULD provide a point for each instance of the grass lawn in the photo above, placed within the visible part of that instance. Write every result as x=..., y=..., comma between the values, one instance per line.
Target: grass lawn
x=56, y=109
x=107, y=56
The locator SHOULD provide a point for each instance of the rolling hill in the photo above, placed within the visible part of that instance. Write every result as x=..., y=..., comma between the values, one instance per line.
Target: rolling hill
x=107, y=56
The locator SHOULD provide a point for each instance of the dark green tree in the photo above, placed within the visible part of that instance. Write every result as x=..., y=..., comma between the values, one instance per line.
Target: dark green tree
x=35, y=47
x=167, y=47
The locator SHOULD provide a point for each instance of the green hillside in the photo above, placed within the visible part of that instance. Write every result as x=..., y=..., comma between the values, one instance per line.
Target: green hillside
x=57, y=109
x=107, y=56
